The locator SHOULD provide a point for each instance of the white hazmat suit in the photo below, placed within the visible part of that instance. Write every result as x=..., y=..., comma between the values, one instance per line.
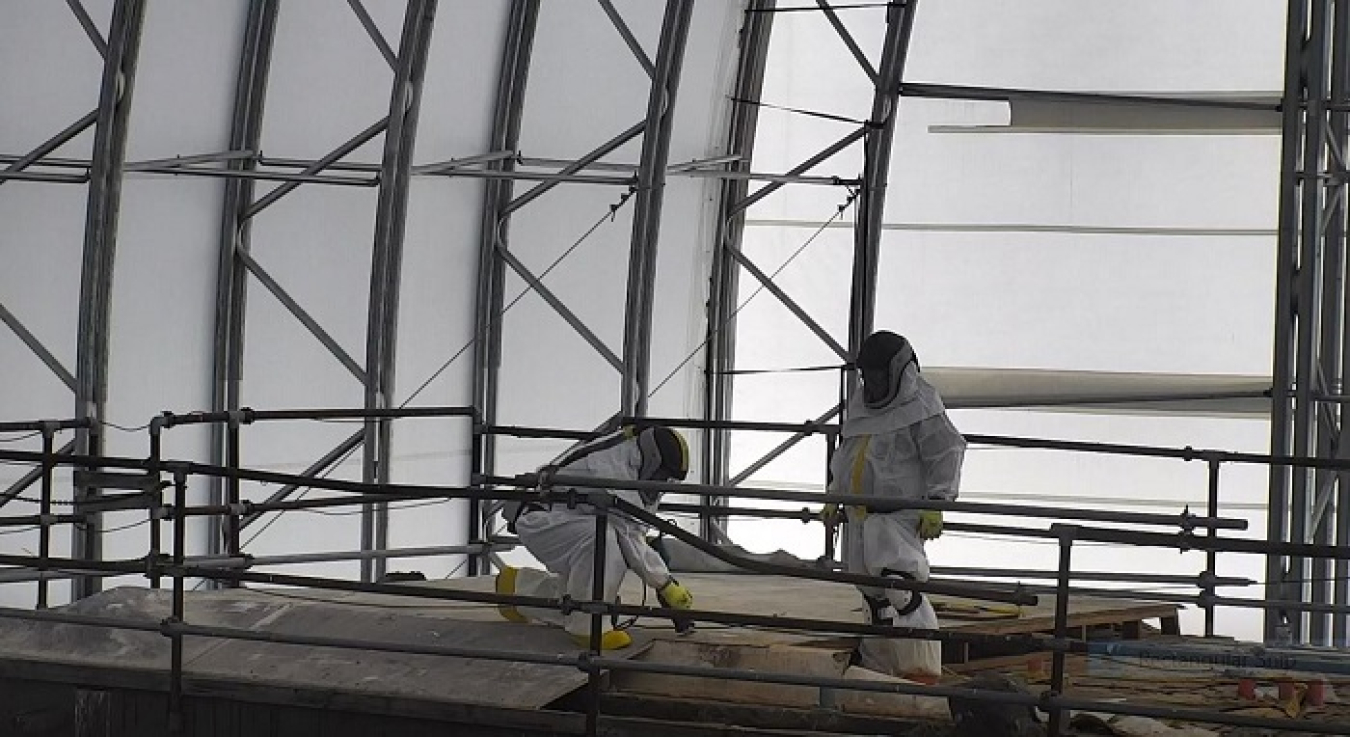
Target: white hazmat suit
x=563, y=539
x=903, y=446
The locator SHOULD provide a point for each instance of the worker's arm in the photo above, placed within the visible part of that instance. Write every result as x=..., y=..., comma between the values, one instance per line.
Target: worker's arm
x=642, y=559
x=942, y=450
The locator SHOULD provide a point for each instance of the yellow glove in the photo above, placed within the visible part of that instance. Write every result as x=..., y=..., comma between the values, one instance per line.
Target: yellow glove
x=930, y=524
x=675, y=596
x=830, y=514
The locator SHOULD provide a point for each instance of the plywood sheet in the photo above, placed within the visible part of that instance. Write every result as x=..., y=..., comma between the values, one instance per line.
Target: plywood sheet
x=311, y=669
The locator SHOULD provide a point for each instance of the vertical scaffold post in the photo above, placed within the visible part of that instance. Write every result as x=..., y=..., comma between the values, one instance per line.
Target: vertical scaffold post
x=1066, y=533
x=176, y=617
x=599, y=549
x=1211, y=555
x=154, y=499
x=45, y=510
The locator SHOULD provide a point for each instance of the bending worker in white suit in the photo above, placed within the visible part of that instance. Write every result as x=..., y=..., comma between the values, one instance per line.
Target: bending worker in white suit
x=898, y=443
x=563, y=539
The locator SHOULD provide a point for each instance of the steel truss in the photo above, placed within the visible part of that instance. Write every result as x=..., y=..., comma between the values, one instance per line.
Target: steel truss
x=1311, y=348
x=1312, y=353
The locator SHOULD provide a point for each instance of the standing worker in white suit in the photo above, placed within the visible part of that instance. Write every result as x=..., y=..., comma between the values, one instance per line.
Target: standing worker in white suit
x=897, y=443
x=563, y=539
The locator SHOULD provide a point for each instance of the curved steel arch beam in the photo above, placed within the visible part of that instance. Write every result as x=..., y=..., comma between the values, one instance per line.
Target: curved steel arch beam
x=387, y=265
x=876, y=169
x=724, y=280
x=250, y=97
x=100, y=240
x=651, y=177
x=510, y=104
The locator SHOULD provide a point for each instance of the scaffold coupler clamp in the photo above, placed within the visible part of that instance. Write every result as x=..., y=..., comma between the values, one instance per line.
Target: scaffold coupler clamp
x=544, y=477
x=1187, y=534
x=1187, y=520
x=169, y=625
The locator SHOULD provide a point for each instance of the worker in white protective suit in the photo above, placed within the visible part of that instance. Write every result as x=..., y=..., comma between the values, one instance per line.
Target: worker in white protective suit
x=897, y=443
x=563, y=539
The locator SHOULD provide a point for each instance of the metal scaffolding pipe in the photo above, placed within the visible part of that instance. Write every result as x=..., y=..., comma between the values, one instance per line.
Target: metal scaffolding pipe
x=587, y=662
x=880, y=504
x=247, y=416
x=1005, y=94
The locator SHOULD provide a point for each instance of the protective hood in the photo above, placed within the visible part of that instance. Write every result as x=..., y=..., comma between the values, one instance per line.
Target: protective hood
x=882, y=359
x=913, y=401
x=665, y=454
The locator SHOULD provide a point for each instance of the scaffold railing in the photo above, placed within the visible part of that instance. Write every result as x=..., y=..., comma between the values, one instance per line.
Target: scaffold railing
x=147, y=479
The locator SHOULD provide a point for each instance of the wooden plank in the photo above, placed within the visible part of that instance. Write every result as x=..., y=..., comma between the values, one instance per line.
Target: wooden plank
x=773, y=659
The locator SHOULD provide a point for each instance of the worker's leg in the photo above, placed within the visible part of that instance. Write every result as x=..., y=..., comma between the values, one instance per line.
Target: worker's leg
x=548, y=535
x=891, y=547
x=580, y=586
x=530, y=582
x=563, y=541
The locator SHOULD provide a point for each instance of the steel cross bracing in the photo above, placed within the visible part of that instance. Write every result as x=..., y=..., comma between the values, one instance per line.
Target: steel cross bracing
x=876, y=134
x=647, y=183
x=242, y=165
x=1311, y=349
x=237, y=260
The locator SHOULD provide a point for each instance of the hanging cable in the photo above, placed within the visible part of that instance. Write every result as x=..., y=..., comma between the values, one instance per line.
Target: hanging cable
x=852, y=197
x=789, y=370
x=802, y=111
x=818, y=9
x=609, y=215
x=301, y=495
x=19, y=438
x=123, y=428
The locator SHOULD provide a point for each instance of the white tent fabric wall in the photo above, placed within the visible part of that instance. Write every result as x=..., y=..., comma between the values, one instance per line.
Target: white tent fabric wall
x=585, y=87
x=1146, y=253
x=328, y=81
x=1159, y=255
x=44, y=229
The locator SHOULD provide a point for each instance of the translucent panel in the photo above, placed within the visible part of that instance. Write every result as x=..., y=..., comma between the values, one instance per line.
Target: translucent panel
x=811, y=266
x=678, y=316
x=40, y=287
x=1200, y=304
x=460, y=87
x=801, y=468
x=436, y=307
x=589, y=273
x=1151, y=45
x=316, y=242
x=328, y=73
x=189, y=55
x=49, y=70
x=549, y=375
x=807, y=40
x=1092, y=180
x=161, y=355
x=286, y=366
x=585, y=86
x=1092, y=481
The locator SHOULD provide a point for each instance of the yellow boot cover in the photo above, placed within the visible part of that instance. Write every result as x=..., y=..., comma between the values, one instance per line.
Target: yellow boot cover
x=506, y=584
x=611, y=640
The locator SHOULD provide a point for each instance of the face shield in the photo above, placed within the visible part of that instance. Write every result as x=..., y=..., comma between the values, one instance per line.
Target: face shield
x=882, y=360
x=665, y=457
